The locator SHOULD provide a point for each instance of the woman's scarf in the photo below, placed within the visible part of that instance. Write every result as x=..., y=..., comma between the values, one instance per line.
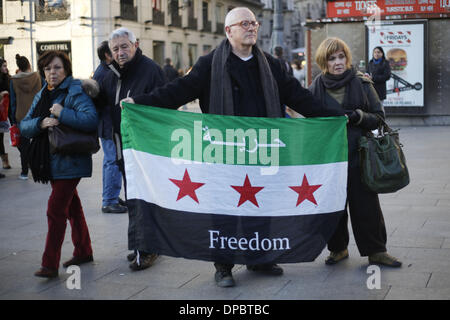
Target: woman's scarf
x=39, y=154
x=221, y=95
x=354, y=92
x=377, y=61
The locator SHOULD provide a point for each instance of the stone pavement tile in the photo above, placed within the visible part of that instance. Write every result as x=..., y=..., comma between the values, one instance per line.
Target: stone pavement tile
x=354, y=271
x=424, y=196
x=14, y=295
x=425, y=265
x=325, y=291
x=446, y=243
x=148, y=277
x=439, y=280
x=93, y=291
x=26, y=282
x=211, y=292
x=248, y=285
x=413, y=201
x=428, y=212
x=398, y=293
x=443, y=203
x=411, y=224
x=301, y=278
x=428, y=254
x=170, y=264
x=413, y=240
x=438, y=227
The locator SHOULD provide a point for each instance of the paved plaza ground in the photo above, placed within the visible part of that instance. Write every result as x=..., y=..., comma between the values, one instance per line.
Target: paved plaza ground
x=417, y=220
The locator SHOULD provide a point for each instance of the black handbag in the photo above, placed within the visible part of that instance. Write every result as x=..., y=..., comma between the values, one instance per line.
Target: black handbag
x=63, y=139
x=383, y=164
x=66, y=140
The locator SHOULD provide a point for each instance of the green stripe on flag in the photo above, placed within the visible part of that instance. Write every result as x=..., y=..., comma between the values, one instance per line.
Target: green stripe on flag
x=233, y=140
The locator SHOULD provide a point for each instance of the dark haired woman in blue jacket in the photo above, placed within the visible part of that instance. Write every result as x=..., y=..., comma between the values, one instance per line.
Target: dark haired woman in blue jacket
x=61, y=100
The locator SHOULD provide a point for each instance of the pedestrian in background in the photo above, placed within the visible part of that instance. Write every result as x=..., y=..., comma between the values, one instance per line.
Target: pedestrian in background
x=24, y=86
x=379, y=71
x=299, y=71
x=111, y=176
x=4, y=124
x=341, y=87
x=61, y=100
x=278, y=53
x=170, y=72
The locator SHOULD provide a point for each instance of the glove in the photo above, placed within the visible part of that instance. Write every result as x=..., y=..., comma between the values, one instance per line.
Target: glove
x=354, y=117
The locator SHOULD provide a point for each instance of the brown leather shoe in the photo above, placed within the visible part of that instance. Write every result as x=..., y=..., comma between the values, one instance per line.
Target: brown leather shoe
x=44, y=272
x=77, y=261
x=384, y=259
x=335, y=257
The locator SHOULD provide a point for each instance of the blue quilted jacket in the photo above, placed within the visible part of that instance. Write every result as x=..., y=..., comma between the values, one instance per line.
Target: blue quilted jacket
x=79, y=113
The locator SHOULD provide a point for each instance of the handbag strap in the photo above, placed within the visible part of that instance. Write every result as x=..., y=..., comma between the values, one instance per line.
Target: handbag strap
x=383, y=127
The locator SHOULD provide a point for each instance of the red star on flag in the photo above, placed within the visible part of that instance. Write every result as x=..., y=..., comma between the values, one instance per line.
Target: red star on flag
x=247, y=192
x=187, y=187
x=305, y=191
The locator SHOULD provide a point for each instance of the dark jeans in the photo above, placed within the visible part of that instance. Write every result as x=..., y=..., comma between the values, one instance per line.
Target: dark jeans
x=366, y=217
x=23, y=147
x=64, y=204
x=112, y=177
x=2, y=146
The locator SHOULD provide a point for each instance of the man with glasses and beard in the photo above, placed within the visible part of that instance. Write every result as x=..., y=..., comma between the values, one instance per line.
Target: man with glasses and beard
x=237, y=78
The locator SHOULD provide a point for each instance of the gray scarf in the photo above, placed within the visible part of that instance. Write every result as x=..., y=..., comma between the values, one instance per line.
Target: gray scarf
x=221, y=95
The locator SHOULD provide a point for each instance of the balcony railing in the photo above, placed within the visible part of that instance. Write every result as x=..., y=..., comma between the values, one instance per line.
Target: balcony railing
x=158, y=17
x=220, y=28
x=176, y=21
x=192, y=23
x=207, y=26
x=128, y=12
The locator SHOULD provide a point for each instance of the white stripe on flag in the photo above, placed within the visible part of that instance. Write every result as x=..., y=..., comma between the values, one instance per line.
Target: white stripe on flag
x=148, y=179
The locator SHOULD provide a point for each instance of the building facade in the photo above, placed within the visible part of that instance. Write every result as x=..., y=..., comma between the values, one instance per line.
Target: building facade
x=182, y=30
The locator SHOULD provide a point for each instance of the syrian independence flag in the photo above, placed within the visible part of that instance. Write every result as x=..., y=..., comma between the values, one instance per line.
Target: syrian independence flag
x=232, y=189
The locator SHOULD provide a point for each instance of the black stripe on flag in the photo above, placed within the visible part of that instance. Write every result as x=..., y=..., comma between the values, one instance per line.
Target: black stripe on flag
x=226, y=238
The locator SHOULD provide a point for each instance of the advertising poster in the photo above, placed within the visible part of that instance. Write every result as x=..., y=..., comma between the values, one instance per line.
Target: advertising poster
x=403, y=43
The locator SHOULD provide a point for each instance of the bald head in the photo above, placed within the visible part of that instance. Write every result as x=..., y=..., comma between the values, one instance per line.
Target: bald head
x=235, y=15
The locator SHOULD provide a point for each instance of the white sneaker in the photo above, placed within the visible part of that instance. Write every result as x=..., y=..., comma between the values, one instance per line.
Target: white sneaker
x=23, y=177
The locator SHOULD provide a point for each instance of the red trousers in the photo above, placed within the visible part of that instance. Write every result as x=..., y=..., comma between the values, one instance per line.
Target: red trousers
x=64, y=204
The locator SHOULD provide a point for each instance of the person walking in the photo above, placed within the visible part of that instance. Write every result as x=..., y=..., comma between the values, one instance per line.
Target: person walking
x=170, y=72
x=278, y=53
x=131, y=73
x=341, y=87
x=112, y=178
x=61, y=100
x=299, y=71
x=379, y=71
x=24, y=86
x=4, y=98
x=237, y=78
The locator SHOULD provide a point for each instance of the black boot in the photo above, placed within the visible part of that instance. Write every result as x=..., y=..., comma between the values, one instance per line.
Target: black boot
x=223, y=275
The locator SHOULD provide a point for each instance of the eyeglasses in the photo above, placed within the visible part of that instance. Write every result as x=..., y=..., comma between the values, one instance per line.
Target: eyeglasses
x=245, y=24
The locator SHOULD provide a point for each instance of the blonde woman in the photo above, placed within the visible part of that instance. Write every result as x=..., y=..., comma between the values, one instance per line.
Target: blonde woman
x=341, y=87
